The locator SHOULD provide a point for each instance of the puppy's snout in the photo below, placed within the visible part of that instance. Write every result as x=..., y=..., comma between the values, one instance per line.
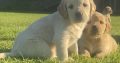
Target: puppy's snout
x=94, y=29
x=78, y=15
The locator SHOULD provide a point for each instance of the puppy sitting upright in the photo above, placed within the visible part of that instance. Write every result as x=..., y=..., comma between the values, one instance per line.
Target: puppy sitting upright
x=96, y=40
x=55, y=33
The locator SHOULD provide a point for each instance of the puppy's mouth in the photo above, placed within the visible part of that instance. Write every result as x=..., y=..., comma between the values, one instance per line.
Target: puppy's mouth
x=95, y=35
x=95, y=32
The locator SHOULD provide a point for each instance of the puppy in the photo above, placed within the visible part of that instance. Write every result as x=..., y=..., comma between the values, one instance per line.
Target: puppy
x=96, y=40
x=107, y=12
x=55, y=33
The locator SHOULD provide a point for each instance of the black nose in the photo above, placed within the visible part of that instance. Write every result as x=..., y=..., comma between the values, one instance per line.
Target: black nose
x=94, y=29
x=78, y=16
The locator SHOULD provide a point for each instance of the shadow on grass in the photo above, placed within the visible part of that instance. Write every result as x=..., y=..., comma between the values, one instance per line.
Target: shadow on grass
x=29, y=58
x=6, y=38
x=4, y=50
x=117, y=38
x=21, y=57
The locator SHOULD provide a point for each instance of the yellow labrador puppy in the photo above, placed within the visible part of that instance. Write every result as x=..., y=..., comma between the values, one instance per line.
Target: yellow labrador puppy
x=96, y=40
x=56, y=32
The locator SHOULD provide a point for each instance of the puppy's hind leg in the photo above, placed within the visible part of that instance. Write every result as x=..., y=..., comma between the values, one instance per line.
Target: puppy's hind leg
x=52, y=50
x=84, y=52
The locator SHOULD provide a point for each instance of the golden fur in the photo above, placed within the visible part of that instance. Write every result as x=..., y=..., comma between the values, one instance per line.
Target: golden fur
x=96, y=40
x=57, y=32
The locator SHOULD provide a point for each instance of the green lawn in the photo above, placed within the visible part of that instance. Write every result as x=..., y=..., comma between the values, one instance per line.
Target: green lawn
x=12, y=23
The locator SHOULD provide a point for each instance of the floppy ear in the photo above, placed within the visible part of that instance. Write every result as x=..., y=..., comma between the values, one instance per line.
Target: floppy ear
x=87, y=27
x=63, y=9
x=92, y=7
x=108, y=26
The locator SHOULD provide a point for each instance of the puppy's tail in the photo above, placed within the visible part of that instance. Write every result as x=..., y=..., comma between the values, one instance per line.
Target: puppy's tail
x=4, y=55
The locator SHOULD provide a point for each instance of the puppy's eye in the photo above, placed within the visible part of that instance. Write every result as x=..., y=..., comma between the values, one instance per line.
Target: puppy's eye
x=85, y=5
x=101, y=22
x=70, y=6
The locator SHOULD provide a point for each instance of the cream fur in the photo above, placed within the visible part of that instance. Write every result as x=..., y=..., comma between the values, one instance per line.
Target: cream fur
x=54, y=31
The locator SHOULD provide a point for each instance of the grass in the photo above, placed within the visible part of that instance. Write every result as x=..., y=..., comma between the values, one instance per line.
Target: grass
x=13, y=23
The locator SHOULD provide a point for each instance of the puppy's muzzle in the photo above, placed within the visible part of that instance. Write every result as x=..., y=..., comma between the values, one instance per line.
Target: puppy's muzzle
x=94, y=30
x=78, y=16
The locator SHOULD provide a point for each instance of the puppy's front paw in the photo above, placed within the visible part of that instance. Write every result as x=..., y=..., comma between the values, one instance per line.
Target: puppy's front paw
x=85, y=53
x=101, y=54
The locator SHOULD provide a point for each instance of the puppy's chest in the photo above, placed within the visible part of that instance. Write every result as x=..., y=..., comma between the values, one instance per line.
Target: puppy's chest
x=75, y=30
x=95, y=45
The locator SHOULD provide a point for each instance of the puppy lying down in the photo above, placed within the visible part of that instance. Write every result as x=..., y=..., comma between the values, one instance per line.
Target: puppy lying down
x=96, y=40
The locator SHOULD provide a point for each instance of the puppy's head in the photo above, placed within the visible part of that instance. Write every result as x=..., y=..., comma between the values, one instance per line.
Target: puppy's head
x=107, y=10
x=98, y=25
x=76, y=10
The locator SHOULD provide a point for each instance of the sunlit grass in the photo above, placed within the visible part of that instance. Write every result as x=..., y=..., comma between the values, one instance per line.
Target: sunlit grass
x=13, y=23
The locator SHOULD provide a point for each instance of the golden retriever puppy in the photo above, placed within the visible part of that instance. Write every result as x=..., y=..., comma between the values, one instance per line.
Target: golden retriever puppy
x=55, y=33
x=107, y=12
x=96, y=40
